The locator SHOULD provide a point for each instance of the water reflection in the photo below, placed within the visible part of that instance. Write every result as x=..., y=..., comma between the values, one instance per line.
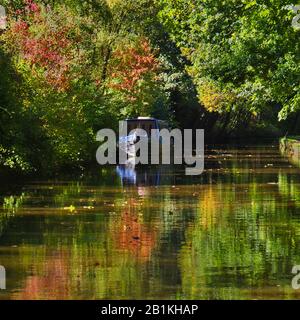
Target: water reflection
x=148, y=175
x=232, y=233
x=127, y=174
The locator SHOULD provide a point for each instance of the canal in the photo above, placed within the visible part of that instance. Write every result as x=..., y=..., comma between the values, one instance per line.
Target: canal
x=154, y=233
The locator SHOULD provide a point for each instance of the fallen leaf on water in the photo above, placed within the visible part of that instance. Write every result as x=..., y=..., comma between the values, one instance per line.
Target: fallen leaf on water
x=71, y=208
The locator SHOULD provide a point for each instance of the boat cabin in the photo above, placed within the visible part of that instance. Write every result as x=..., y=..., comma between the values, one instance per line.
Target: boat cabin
x=145, y=123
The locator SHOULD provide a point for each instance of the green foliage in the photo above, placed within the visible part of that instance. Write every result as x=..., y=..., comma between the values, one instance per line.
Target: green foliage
x=11, y=205
x=243, y=55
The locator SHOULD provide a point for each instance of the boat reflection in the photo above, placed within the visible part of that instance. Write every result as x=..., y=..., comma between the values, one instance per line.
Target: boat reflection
x=143, y=176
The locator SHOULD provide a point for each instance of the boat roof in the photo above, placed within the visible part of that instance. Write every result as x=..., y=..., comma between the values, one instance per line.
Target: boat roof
x=145, y=119
x=142, y=118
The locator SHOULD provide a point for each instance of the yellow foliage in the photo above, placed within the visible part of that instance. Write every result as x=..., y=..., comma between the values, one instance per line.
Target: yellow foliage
x=214, y=99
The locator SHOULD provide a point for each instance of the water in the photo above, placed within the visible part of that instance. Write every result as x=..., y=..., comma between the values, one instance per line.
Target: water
x=231, y=233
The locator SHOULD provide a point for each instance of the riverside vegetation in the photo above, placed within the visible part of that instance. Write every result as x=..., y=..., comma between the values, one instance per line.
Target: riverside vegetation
x=69, y=68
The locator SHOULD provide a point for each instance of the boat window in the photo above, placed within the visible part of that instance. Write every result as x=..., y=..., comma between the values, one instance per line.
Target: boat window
x=146, y=125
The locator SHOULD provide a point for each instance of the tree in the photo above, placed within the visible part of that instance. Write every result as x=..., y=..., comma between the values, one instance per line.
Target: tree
x=244, y=55
x=75, y=60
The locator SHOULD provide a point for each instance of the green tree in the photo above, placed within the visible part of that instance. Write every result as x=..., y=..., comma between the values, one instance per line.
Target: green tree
x=244, y=55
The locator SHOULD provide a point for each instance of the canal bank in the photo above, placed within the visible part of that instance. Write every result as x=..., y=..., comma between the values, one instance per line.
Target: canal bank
x=290, y=148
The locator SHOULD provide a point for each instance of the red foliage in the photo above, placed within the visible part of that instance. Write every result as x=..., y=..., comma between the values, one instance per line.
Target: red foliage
x=49, y=50
x=21, y=27
x=52, y=282
x=31, y=6
x=132, y=64
x=133, y=236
